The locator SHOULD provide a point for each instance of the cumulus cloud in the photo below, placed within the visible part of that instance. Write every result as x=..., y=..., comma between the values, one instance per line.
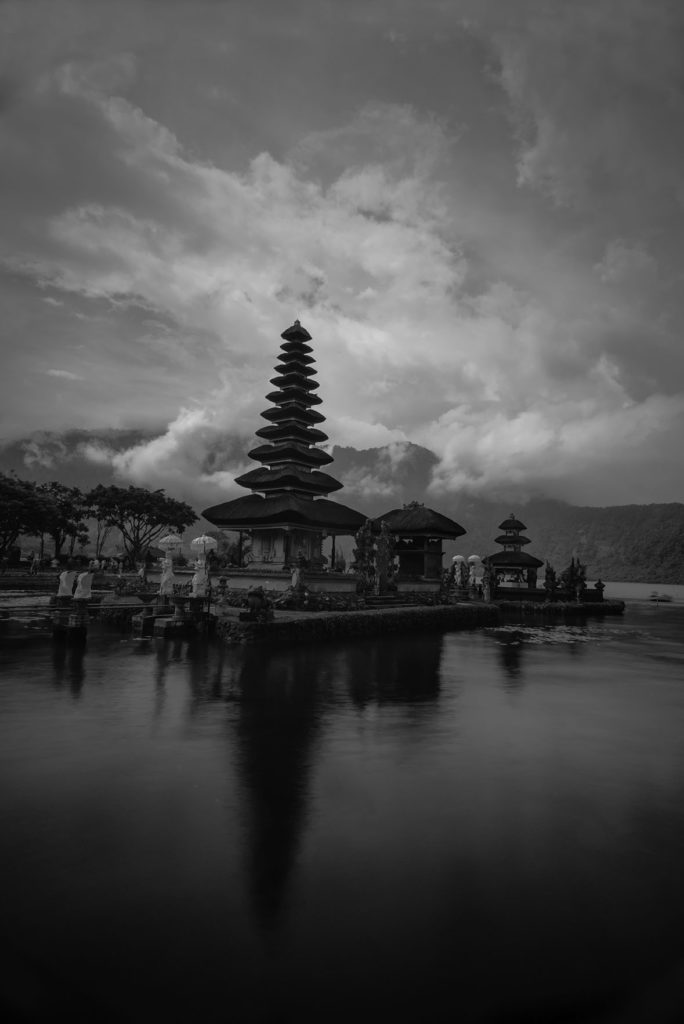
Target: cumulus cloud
x=538, y=357
x=594, y=96
x=623, y=263
x=540, y=449
x=63, y=374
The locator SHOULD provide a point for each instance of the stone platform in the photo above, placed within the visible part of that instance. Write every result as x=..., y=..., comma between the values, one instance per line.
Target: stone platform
x=291, y=626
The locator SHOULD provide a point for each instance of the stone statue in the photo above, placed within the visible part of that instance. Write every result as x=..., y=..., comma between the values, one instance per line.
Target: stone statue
x=66, y=583
x=488, y=582
x=463, y=574
x=550, y=581
x=199, y=580
x=167, y=578
x=85, y=582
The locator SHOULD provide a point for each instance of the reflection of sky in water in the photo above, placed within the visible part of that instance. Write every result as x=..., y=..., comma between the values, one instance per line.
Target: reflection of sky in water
x=493, y=819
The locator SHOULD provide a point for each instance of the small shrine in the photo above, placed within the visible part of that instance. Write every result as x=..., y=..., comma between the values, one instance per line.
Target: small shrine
x=288, y=514
x=513, y=566
x=419, y=533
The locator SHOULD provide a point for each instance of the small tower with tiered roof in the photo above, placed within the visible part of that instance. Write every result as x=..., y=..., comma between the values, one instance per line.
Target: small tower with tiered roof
x=512, y=564
x=511, y=538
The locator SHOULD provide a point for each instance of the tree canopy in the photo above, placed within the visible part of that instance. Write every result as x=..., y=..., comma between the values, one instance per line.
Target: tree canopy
x=66, y=512
x=22, y=510
x=140, y=515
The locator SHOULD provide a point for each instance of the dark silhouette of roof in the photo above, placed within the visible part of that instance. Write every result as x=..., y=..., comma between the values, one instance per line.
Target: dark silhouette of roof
x=296, y=333
x=284, y=510
x=288, y=475
x=289, y=451
x=291, y=431
x=513, y=560
x=511, y=524
x=512, y=539
x=416, y=520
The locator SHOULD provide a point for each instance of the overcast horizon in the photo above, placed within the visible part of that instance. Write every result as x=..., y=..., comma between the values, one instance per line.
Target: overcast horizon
x=474, y=207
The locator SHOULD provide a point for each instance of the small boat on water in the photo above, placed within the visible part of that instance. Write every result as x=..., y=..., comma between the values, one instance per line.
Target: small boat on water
x=660, y=598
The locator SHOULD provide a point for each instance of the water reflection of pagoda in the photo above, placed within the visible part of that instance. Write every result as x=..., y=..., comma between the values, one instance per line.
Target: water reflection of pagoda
x=285, y=698
x=288, y=513
x=277, y=730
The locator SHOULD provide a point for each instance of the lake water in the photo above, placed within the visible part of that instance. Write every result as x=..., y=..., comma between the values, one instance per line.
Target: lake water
x=483, y=826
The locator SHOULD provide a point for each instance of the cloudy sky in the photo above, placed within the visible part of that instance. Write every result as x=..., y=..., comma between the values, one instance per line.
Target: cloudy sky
x=474, y=206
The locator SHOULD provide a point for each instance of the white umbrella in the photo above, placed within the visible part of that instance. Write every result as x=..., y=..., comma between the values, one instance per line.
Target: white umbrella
x=204, y=544
x=170, y=544
x=476, y=567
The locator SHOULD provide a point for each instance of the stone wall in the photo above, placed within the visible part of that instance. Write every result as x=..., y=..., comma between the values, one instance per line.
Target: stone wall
x=371, y=622
x=557, y=609
x=279, y=580
x=312, y=601
x=414, y=586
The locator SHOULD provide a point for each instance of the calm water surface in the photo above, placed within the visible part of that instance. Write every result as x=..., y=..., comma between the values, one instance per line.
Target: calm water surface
x=470, y=826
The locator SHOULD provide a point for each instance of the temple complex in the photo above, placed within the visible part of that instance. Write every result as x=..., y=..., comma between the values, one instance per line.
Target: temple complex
x=418, y=533
x=288, y=514
x=513, y=566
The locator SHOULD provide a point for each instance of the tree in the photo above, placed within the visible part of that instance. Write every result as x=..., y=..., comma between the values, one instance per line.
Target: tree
x=65, y=514
x=232, y=547
x=384, y=559
x=140, y=515
x=22, y=510
x=573, y=580
x=340, y=562
x=364, y=557
x=103, y=527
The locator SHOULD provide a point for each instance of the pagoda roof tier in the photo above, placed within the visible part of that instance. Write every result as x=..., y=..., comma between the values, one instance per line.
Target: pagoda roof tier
x=297, y=413
x=288, y=476
x=293, y=394
x=302, y=365
x=294, y=378
x=289, y=355
x=513, y=560
x=416, y=520
x=292, y=431
x=295, y=348
x=511, y=524
x=296, y=333
x=512, y=538
x=284, y=510
x=290, y=452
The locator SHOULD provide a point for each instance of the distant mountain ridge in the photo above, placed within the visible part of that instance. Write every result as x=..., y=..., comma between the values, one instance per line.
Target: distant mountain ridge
x=640, y=543
x=632, y=543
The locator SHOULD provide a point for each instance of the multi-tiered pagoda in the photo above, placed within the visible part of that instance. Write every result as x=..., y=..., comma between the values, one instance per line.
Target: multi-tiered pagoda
x=287, y=513
x=512, y=564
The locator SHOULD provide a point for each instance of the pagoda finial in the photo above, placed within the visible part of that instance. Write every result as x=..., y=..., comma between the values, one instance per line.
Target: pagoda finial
x=297, y=323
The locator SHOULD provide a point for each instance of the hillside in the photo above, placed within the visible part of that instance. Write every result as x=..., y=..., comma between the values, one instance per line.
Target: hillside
x=640, y=543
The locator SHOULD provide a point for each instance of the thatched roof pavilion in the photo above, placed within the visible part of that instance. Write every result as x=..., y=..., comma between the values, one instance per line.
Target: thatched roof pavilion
x=419, y=532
